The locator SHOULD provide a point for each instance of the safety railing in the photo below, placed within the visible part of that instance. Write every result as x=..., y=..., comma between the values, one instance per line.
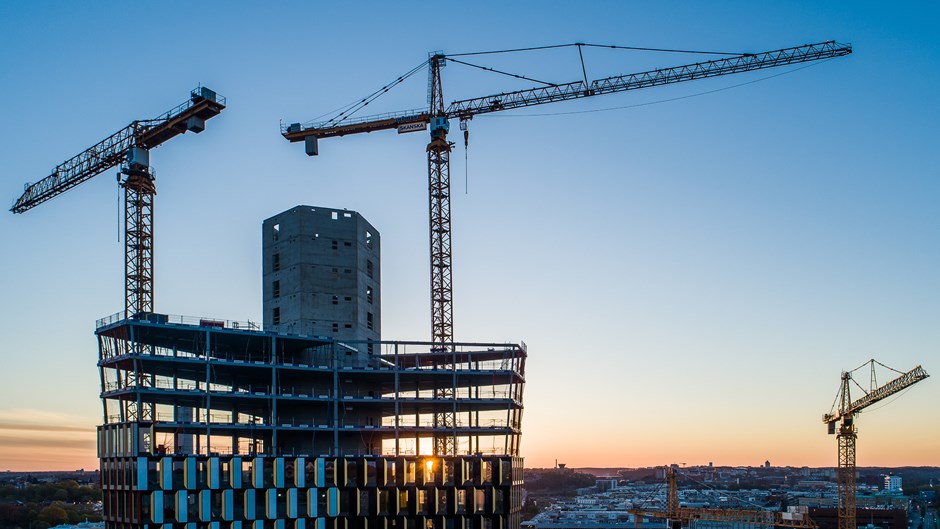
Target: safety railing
x=199, y=321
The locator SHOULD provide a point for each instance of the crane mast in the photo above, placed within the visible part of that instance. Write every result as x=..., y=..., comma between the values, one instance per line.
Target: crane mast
x=130, y=148
x=848, y=433
x=436, y=118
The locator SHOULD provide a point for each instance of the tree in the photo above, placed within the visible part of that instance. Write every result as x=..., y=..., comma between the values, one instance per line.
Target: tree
x=53, y=515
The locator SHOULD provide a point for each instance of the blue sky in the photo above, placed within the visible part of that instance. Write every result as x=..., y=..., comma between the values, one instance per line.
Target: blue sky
x=690, y=275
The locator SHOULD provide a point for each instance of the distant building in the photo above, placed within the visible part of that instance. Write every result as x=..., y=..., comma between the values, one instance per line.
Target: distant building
x=892, y=483
x=882, y=518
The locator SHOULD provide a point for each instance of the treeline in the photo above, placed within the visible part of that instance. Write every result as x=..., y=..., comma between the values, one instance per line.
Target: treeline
x=557, y=481
x=41, y=506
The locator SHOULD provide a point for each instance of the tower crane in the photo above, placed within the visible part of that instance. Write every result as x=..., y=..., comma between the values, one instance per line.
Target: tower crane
x=679, y=516
x=130, y=148
x=843, y=412
x=437, y=116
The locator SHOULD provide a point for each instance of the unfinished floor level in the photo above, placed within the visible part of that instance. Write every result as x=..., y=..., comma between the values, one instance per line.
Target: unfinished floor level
x=210, y=423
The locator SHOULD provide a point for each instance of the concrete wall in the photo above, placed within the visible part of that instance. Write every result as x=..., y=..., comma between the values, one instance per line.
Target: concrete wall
x=326, y=265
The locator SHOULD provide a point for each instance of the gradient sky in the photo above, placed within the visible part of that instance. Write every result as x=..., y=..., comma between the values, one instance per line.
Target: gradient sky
x=691, y=276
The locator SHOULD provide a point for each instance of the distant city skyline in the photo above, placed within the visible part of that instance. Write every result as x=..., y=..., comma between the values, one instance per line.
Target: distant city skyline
x=691, y=267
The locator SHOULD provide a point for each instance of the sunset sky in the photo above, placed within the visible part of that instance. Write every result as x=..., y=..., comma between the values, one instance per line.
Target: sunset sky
x=690, y=266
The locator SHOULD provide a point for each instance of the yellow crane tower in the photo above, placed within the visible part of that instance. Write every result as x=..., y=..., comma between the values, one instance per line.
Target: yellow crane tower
x=843, y=411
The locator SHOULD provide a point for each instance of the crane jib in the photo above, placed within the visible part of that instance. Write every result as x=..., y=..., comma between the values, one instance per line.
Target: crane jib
x=111, y=151
x=438, y=150
x=467, y=108
x=659, y=77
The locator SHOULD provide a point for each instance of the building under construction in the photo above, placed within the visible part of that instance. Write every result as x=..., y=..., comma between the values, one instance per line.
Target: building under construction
x=220, y=424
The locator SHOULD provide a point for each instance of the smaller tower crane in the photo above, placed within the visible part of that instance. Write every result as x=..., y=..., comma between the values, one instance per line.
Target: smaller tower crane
x=845, y=414
x=130, y=148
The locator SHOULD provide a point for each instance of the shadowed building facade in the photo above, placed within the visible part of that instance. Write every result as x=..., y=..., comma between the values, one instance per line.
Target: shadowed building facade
x=217, y=424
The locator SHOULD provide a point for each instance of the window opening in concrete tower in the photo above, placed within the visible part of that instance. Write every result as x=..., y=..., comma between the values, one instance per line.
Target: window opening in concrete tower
x=335, y=327
x=336, y=300
x=369, y=320
x=347, y=243
x=335, y=245
x=347, y=215
x=276, y=289
x=369, y=294
x=334, y=215
x=277, y=231
x=276, y=262
x=369, y=239
x=369, y=269
x=276, y=315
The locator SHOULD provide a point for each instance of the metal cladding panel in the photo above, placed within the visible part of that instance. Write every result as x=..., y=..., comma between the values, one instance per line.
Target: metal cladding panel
x=292, y=507
x=205, y=506
x=312, y=503
x=235, y=473
x=214, y=472
x=332, y=501
x=166, y=473
x=141, y=473
x=279, y=472
x=189, y=473
x=182, y=508
x=250, y=504
x=300, y=475
x=270, y=504
x=156, y=506
x=228, y=504
x=321, y=471
x=257, y=473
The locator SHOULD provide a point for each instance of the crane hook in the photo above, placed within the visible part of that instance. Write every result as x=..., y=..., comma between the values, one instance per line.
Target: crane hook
x=466, y=143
